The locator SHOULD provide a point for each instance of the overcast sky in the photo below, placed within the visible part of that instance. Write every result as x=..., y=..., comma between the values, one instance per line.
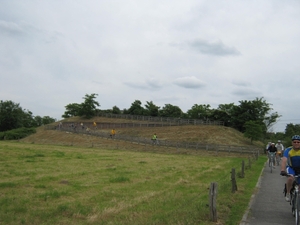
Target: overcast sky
x=182, y=53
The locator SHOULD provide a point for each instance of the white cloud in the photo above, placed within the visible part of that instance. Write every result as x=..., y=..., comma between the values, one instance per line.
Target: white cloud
x=189, y=82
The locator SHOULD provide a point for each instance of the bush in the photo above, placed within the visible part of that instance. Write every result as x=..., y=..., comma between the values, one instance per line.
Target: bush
x=16, y=134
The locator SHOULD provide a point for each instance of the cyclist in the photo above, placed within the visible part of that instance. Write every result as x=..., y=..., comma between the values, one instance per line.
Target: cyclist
x=267, y=146
x=272, y=150
x=154, y=139
x=290, y=164
x=280, y=148
x=112, y=133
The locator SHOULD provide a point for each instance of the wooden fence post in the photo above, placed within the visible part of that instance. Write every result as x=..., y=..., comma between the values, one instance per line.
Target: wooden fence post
x=249, y=160
x=233, y=181
x=213, y=190
x=243, y=169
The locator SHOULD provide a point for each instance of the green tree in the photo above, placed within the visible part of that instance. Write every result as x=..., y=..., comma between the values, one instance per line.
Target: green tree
x=253, y=130
x=256, y=110
x=199, y=112
x=271, y=119
x=170, y=111
x=291, y=130
x=223, y=113
x=116, y=110
x=151, y=109
x=72, y=109
x=47, y=120
x=88, y=108
x=136, y=108
x=13, y=116
x=38, y=121
x=28, y=119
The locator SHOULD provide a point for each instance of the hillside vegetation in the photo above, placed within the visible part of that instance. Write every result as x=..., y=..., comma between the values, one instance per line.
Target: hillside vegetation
x=209, y=134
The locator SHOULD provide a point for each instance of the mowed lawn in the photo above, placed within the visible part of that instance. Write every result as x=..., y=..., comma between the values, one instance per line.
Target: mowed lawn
x=48, y=184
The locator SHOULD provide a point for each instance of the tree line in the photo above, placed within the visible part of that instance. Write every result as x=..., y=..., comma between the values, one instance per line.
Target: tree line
x=13, y=116
x=258, y=111
x=254, y=117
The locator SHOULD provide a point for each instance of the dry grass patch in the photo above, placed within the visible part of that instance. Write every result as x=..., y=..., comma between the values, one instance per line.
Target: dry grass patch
x=46, y=184
x=209, y=134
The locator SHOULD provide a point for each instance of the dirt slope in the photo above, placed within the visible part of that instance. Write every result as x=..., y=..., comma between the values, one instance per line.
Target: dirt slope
x=205, y=134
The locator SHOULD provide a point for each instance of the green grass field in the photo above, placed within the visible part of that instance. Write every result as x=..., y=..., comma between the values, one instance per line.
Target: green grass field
x=47, y=184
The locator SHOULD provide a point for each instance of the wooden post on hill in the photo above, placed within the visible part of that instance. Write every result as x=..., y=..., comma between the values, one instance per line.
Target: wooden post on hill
x=243, y=169
x=233, y=181
x=213, y=190
x=249, y=160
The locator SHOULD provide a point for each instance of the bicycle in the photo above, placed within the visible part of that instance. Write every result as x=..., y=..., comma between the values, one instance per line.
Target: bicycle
x=294, y=202
x=154, y=141
x=278, y=158
x=271, y=161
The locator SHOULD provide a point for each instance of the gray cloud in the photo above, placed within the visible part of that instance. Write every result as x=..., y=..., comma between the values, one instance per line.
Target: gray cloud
x=153, y=83
x=10, y=28
x=212, y=48
x=241, y=83
x=148, y=84
x=246, y=93
x=189, y=82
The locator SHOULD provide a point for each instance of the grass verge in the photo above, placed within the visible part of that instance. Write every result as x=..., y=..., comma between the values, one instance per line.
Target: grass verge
x=45, y=184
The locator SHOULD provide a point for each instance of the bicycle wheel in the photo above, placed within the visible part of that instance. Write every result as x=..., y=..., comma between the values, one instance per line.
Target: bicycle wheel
x=296, y=206
x=292, y=203
x=277, y=160
x=271, y=166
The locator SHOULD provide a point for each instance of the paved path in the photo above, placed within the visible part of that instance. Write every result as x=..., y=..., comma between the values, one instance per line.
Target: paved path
x=268, y=205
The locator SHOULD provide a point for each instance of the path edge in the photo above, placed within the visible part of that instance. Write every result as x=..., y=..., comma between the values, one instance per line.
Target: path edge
x=244, y=220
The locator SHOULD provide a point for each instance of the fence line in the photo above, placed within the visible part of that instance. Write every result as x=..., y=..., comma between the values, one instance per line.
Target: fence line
x=213, y=190
x=167, y=120
x=163, y=143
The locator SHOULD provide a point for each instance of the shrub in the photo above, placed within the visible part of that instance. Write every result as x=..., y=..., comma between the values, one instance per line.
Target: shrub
x=16, y=134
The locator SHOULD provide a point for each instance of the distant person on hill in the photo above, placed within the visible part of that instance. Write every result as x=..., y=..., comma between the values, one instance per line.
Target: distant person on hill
x=112, y=133
x=95, y=125
x=88, y=130
x=75, y=127
x=154, y=139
